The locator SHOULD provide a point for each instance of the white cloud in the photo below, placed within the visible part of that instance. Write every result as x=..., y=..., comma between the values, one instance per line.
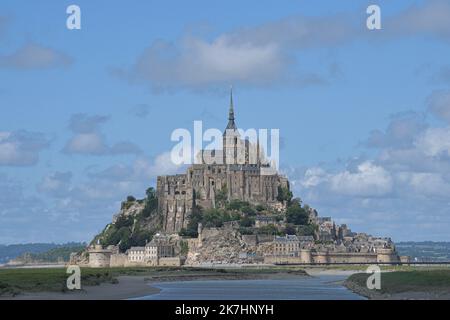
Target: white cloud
x=314, y=177
x=435, y=142
x=162, y=165
x=401, y=131
x=21, y=148
x=194, y=63
x=369, y=180
x=88, y=140
x=430, y=18
x=56, y=184
x=425, y=184
x=439, y=105
x=35, y=56
x=266, y=54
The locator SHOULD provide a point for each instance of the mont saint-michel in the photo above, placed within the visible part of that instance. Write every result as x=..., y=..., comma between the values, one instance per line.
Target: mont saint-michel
x=231, y=208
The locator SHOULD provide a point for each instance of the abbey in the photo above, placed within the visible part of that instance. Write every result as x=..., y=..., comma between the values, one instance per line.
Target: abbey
x=238, y=172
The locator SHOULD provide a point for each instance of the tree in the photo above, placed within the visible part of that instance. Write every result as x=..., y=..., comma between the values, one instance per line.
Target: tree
x=297, y=215
x=284, y=194
x=260, y=208
x=237, y=205
x=308, y=230
x=131, y=199
x=222, y=196
x=269, y=229
x=195, y=218
x=151, y=203
x=246, y=222
x=214, y=218
x=124, y=221
x=184, y=248
x=290, y=229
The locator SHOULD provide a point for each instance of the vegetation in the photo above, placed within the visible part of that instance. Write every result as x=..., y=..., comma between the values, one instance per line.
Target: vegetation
x=269, y=230
x=151, y=203
x=284, y=194
x=184, y=246
x=192, y=228
x=425, y=251
x=244, y=213
x=308, y=230
x=221, y=197
x=12, y=251
x=296, y=214
x=406, y=281
x=16, y=281
x=60, y=253
x=129, y=231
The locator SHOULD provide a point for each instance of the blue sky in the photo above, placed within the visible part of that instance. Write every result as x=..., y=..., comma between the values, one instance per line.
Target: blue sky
x=86, y=115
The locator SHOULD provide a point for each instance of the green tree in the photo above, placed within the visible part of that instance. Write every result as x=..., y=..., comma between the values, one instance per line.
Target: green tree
x=237, y=205
x=184, y=248
x=151, y=203
x=297, y=215
x=260, y=208
x=284, y=194
x=124, y=221
x=214, y=218
x=222, y=196
x=269, y=229
x=195, y=218
x=246, y=222
x=308, y=230
x=290, y=229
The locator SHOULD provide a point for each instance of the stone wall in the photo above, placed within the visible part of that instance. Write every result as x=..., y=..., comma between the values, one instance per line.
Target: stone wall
x=307, y=257
x=250, y=240
x=263, y=238
x=99, y=259
x=170, y=262
x=119, y=260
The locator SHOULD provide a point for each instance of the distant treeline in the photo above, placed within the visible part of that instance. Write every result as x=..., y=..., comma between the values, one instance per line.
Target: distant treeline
x=48, y=252
x=425, y=251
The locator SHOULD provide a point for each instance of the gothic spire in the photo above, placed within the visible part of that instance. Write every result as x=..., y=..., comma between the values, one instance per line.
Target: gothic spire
x=231, y=125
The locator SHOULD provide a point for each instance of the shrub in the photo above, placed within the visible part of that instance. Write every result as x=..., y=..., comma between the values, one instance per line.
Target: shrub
x=297, y=215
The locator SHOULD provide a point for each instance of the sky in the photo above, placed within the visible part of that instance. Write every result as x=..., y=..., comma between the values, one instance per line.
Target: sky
x=86, y=115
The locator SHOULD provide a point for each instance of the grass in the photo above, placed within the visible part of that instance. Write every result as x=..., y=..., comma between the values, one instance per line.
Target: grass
x=425, y=280
x=15, y=281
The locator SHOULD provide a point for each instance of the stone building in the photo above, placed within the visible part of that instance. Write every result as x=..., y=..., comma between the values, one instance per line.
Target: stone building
x=159, y=247
x=99, y=257
x=288, y=245
x=263, y=221
x=234, y=172
x=136, y=254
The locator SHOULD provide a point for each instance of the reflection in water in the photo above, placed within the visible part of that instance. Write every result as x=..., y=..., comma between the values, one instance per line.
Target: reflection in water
x=307, y=288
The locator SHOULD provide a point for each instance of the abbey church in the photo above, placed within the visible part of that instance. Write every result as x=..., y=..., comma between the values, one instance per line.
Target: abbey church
x=239, y=172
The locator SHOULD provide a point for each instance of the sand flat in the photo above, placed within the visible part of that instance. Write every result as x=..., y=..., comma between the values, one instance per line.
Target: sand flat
x=128, y=287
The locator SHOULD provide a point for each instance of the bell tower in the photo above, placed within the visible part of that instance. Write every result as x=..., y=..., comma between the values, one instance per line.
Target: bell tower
x=230, y=136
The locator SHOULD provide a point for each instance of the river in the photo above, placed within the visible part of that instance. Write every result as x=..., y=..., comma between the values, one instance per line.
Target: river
x=324, y=287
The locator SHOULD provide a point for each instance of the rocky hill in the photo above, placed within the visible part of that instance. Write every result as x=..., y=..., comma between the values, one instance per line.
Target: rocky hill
x=134, y=225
